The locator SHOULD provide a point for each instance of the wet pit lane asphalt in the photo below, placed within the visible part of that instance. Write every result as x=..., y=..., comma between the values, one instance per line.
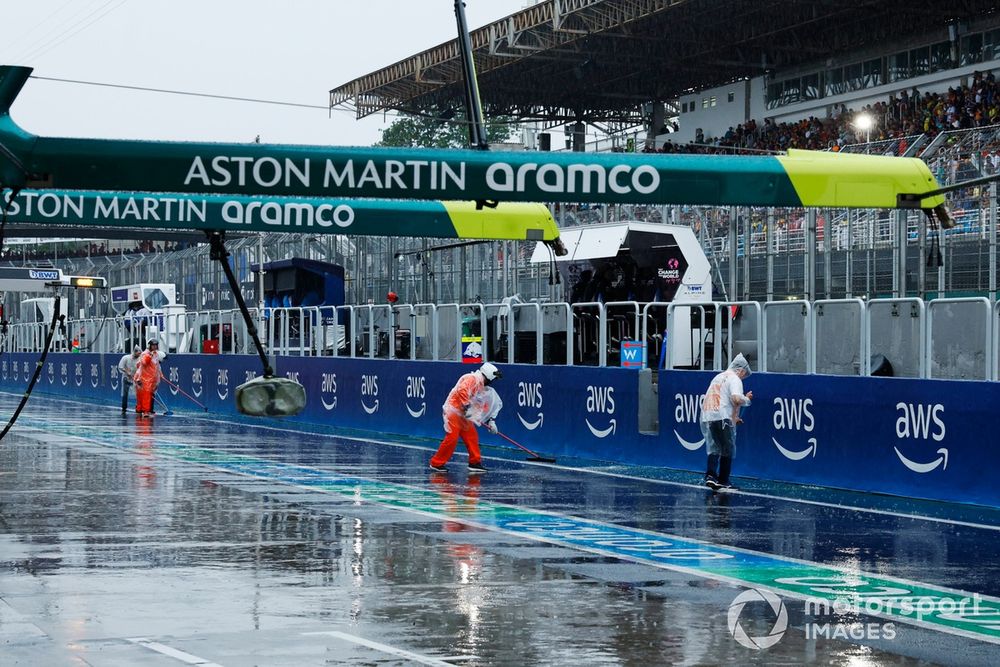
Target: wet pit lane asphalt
x=183, y=540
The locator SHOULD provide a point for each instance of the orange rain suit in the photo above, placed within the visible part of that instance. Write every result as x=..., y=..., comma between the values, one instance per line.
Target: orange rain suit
x=455, y=422
x=147, y=378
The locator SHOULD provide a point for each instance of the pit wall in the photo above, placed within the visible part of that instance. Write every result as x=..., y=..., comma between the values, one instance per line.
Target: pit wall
x=928, y=439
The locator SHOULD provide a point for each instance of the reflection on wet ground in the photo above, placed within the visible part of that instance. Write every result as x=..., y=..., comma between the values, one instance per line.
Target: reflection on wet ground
x=180, y=540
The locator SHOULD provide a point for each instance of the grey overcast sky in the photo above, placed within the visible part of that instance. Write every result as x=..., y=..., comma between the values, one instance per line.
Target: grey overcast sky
x=291, y=51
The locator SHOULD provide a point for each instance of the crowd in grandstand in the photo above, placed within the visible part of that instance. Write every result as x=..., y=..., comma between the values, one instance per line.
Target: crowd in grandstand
x=907, y=114
x=904, y=115
x=52, y=251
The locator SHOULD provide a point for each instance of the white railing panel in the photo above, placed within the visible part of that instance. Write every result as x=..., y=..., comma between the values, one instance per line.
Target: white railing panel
x=688, y=343
x=622, y=319
x=896, y=330
x=788, y=337
x=526, y=319
x=960, y=339
x=743, y=335
x=839, y=329
x=590, y=334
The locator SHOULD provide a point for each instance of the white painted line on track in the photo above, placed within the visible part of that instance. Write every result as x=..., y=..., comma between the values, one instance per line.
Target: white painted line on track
x=384, y=648
x=173, y=653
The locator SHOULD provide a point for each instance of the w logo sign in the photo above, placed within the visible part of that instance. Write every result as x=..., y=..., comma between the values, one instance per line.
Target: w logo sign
x=633, y=354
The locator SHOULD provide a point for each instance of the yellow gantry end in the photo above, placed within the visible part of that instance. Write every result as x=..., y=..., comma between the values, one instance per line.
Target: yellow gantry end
x=507, y=221
x=850, y=180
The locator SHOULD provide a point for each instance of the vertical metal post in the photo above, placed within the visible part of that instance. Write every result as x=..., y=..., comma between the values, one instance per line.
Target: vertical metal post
x=768, y=242
x=260, y=273
x=260, y=284
x=437, y=288
x=993, y=241
x=390, y=259
x=463, y=284
x=734, y=221
x=810, y=255
x=199, y=287
x=218, y=287
x=425, y=292
x=942, y=244
x=869, y=252
x=827, y=254
x=849, y=294
x=505, y=269
x=899, y=250
x=922, y=259
x=747, y=227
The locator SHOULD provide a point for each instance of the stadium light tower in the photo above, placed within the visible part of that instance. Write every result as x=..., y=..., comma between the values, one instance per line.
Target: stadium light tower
x=865, y=122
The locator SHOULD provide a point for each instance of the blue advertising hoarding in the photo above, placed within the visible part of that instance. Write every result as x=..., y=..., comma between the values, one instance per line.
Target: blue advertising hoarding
x=919, y=438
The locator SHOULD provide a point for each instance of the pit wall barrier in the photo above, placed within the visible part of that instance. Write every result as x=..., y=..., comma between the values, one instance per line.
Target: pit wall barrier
x=928, y=439
x=586, y=412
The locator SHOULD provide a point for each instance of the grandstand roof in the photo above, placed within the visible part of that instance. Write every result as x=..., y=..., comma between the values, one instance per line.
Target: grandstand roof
x=600, y=60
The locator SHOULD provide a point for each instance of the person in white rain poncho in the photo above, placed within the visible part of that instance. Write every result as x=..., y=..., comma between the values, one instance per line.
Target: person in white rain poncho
x=720, y=413
x=126, y=369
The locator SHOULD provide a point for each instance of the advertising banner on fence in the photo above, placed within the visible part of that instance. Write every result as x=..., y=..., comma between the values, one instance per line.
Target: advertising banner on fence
x=917, y=438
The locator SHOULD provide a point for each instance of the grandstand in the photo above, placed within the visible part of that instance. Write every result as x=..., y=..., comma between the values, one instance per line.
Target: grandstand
x=622, y=62
x=787, y=75
x=632, y=68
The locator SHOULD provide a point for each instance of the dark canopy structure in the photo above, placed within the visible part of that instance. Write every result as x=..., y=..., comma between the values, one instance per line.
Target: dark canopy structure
x=600, y=61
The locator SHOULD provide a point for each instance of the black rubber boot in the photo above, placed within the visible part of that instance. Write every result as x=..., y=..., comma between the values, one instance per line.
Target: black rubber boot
x=725, y=467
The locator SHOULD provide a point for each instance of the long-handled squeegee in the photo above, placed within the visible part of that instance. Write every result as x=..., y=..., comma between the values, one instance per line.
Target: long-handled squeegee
x=535, y=457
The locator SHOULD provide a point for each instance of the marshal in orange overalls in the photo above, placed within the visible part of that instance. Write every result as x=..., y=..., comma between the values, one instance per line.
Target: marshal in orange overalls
x=469, y=403
x=456, y=425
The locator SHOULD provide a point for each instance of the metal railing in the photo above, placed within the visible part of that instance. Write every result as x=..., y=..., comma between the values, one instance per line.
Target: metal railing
x=954, y=338
x=896, y=329
x=966, y=327
x=840, y=341
x=788, y=347
x=996, y=341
